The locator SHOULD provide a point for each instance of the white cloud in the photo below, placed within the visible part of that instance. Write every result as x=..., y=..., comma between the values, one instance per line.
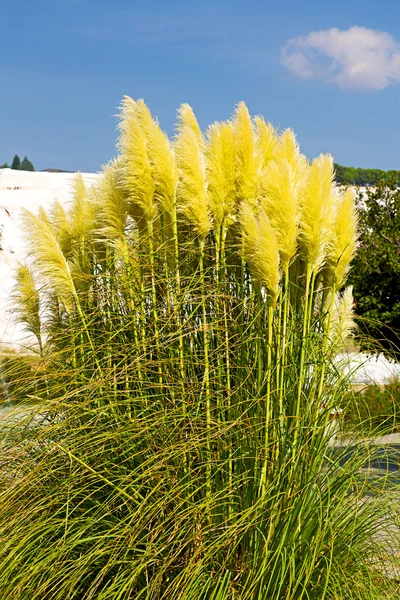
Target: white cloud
x=358, y=58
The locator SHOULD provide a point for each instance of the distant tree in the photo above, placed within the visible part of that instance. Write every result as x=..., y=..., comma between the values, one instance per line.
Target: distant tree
x=375, y=274
x=340, y=173
x=5, y=166
x=16, y=163
x=26, y=165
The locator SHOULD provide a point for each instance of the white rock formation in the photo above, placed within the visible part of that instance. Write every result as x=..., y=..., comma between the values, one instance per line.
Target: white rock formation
x=366, y=369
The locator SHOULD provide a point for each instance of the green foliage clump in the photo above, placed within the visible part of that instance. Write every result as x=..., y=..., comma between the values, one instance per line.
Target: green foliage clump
x=188, y=309
x=375, y=275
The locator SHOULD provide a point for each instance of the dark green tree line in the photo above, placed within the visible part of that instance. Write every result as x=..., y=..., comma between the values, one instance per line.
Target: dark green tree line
x=357, y=176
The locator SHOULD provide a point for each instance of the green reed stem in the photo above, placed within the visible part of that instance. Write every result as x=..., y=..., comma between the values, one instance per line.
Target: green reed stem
x=267, y=418
x=219, y=290
x=150, y=233
x=281, y=386
x=302, y=354
x=326, y=341
x=206, y=367
x=225, y=293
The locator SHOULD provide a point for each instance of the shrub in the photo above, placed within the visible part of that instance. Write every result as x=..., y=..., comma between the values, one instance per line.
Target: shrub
x=187, y=310
x=375, y=408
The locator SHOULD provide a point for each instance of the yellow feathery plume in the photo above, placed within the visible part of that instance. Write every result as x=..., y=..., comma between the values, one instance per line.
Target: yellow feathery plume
x=347, y=313
x=138, y=110
x=82, y=227
x=221, y=171
x=260, y=248
x=266, y=140
x=77, y=210
x=48, y=257
x=43, y=214
x=59, y=220
x=280, y=190
x=342, y=320
x=47, y=217
x=26, y=301
x=249, y=226
x=136, y=166
x=116, y=226
x=288, y=149
x=60, y=226
x=164, y=170
x=248, y=158
x=187, y=118
x=162, y=160
x=112, y=202
x=317, y=212
x=81, y=216
x=191, y=192
x=143, y=115
x=344, y=240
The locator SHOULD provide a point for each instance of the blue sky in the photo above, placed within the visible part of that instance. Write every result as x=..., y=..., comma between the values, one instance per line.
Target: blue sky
x=67, y=63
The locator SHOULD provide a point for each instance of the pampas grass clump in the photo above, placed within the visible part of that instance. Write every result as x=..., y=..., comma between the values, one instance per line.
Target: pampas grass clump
x=188, y=309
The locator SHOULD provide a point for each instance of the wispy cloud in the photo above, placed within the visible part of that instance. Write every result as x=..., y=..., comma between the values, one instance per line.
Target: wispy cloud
x=222, y=40
x=133, y=26
x=358, y=58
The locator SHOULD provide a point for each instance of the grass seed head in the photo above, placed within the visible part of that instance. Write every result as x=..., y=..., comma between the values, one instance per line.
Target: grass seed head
x=221, y=171
x=317, y=212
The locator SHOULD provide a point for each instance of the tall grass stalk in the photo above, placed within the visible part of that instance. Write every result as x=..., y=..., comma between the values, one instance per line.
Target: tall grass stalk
x=179, y=448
